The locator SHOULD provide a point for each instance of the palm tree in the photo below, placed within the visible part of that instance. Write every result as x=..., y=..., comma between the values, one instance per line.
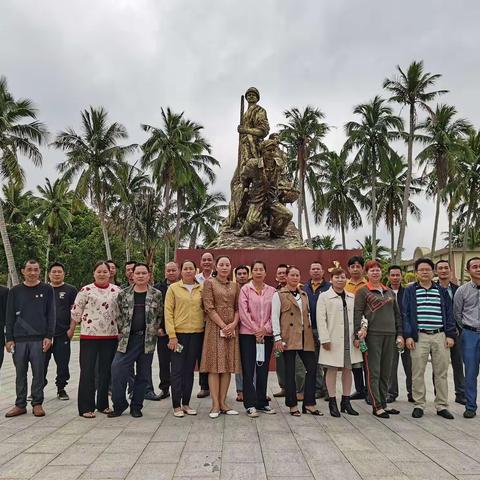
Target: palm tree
x=177, y=155
x=338, y=182
x=303, y=136
x=20, y=134
x=390, y=187
x=443, y=136
x=469, y=191
x=203, y=215
x=94, y=155
x=17, y=203
x=410, y=89
x=368, y=249
x=54, y=212
x=325, y=242
x=131, y=183
x=371, y=138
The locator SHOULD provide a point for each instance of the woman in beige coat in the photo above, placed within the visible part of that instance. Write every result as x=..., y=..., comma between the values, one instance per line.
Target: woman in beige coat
x=336, y=335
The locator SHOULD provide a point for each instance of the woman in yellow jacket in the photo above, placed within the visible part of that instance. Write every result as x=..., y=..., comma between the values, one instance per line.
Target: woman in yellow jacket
x=184, y=324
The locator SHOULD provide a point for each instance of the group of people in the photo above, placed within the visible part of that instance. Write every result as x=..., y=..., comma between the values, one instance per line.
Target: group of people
x=229, y=321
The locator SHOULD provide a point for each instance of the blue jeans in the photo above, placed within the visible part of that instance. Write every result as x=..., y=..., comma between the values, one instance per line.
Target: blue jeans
x=471, y=358
x=122, y=367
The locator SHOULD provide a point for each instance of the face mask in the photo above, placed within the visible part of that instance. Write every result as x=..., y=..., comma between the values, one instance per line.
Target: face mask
x=260, y=352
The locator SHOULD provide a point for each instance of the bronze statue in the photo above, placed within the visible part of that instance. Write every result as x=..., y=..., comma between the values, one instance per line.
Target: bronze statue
x=252, y=130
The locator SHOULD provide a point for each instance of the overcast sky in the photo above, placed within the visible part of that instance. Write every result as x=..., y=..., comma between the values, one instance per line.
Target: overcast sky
x=135, y=56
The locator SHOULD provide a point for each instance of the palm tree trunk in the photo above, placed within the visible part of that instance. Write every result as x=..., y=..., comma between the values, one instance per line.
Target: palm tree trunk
x=435, y=226
x=342, y=228
x=193, y=237
x=307, y=224
x=127, y=247
x=47, y=256
x=101, y=214
x=12, y=271
x=408, y=181
x=450, y=233
x=392, y=242
x=301, y=179
x=179, y=220
x=466, y=232
x=374, y=212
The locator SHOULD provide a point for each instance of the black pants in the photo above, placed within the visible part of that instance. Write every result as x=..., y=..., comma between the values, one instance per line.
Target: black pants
x=60, y=350
x=255, y=376
x=202, y=377
x=183, y=367
x=164, y=363
x=407, y=368
x=2, y=347
x=25, y=353
x=90, y=350
x=358, y=378
x=308, y=359
x=122, y=367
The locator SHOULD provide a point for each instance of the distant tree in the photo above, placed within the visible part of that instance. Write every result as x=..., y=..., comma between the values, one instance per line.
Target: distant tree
x=325, y=242
x=367, y=249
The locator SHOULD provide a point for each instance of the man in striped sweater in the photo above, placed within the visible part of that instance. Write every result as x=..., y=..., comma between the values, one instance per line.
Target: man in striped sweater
x=429, y=330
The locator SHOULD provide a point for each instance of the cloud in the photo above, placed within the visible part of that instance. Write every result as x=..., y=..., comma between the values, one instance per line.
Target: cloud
x=135, y=56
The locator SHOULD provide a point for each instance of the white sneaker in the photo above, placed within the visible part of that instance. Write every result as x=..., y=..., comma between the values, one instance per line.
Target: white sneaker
x=252, y=412
x=214, y=414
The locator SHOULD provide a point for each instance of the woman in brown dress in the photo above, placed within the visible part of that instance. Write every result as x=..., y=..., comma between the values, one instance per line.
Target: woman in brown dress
x=221, y=351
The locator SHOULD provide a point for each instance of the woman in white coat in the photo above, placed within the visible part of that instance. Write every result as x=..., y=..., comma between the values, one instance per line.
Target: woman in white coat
x=336, y=335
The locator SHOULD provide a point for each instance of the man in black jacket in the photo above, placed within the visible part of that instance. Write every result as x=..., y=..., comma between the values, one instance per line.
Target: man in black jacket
x=3, y=311
x=30, y=326
x=395, y=283
x=444, y=274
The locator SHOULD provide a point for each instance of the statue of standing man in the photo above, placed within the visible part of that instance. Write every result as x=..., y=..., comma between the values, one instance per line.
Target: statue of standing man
x=252, y=130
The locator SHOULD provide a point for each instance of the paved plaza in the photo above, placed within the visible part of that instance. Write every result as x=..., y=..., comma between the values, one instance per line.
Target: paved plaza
x=158, y=446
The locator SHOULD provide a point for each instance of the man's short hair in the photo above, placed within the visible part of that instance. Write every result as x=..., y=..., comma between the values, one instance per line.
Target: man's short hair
x=282, y=265
x=423, y=260
x=56, y=264
x=111, y=261
x=316, y=262
x=240, y=267
x=470, y=260
x=355, y=259
x=444, y=260
x=394, y=267
x=141, y=264
x=129, y=262
x=31, y=261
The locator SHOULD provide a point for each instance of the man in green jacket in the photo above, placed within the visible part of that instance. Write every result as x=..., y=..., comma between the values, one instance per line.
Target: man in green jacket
x=139, y=310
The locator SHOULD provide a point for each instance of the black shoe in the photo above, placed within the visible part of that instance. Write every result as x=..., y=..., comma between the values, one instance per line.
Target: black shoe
x=410, y=398
x=392, y=411
x=417, y=413
x=391, y=399
x=346, y=406
x=315, y=412
x=384, y=414
x=165, y=394
x=114, y=413
x=62, y=395
x=357, y=396
x=460, y=399
x=152, y=396
x=205, y=393
x=469, y=414
x=136, y=413
x=445, y=414
x=333, y=407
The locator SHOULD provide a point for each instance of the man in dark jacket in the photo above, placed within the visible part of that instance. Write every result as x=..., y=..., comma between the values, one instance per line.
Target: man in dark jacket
x=395, y=283
x=30, y=326
x=444, y=274
x=429, y=329
x=3, y=311
x=313, y=288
